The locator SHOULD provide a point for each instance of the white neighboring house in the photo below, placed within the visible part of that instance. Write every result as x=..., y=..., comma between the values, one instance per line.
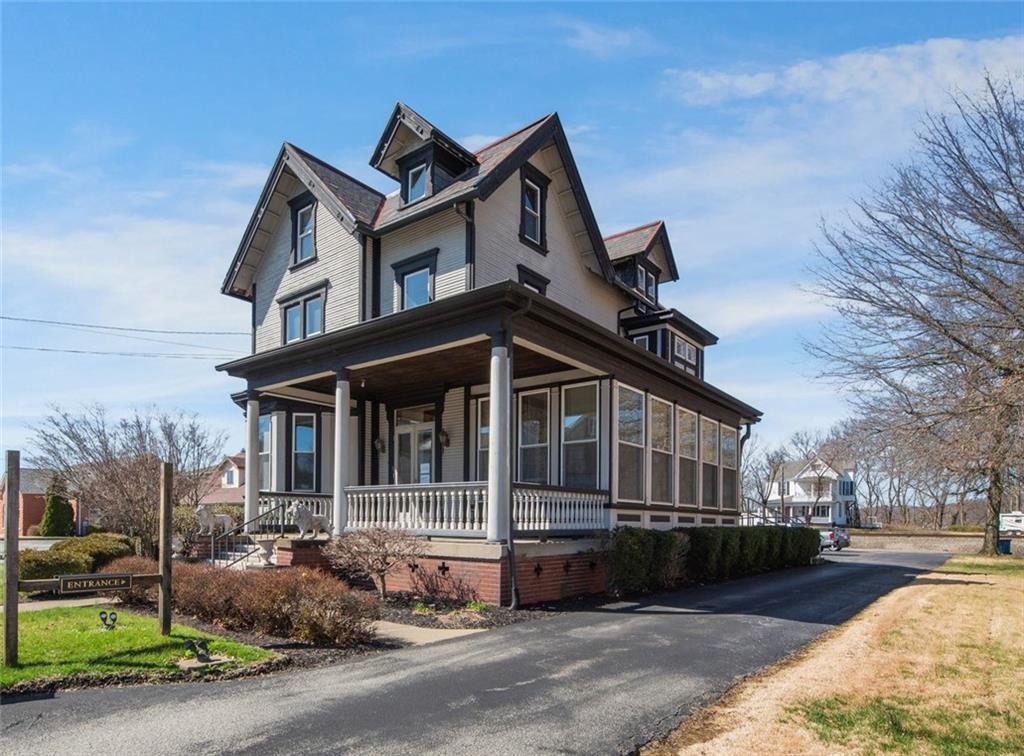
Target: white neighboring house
x=813, y=491
x=1011, y=522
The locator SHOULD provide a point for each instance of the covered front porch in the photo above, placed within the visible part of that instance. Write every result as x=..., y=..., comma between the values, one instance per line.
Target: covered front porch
x=493, y=414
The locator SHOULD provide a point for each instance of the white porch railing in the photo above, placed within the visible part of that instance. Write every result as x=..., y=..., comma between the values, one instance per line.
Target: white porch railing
x=459, y=508
x=538, y=507
x=319, y=504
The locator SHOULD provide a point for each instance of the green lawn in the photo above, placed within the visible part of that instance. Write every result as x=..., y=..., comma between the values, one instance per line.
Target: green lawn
x=1002, y=565
x=59, y=642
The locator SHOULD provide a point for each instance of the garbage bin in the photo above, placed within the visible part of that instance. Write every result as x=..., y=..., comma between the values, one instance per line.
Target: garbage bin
x=1003, y=546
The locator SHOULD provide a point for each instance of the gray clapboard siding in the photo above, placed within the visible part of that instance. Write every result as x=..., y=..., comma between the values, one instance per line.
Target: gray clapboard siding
x=446, y=231
x=499, y=251
x=338, y=260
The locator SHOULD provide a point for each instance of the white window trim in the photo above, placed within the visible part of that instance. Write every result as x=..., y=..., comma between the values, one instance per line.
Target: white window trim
x=300, y=235
x=717, y=462
x=617, y=440
x=306, y=333
x=519, y=434
x=646, y=340
x=405, y=288
x=296, y=416
x=414, y=171
x=481, y=474
x=298, y=307
x=671, y=453
x=722, y=430
x=597, y=429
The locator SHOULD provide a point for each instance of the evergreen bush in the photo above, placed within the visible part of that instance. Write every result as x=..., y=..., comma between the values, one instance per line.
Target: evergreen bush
x=58, y=516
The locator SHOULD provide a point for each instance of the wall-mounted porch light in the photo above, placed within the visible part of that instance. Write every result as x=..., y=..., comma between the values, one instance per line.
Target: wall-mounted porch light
x=443, y=437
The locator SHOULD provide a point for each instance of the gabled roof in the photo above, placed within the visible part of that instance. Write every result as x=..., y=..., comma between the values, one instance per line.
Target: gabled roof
x=640, y=241
x=424, y=130
x=362, y=201
x=33, y=480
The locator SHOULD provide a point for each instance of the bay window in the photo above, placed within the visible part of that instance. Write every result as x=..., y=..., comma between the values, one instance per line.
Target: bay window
x=686, y=446
x=579, y=436
x=661, y=451
x=533, y=436
x=709, y=463
x=303, y=452
x=631, y=426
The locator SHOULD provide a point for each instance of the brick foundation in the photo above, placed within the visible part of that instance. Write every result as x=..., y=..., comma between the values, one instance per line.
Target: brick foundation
x=295, y=553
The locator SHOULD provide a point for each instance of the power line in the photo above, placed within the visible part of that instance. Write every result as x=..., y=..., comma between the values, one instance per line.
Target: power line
x=165, y=355
x=124, y=328
x=91, y=329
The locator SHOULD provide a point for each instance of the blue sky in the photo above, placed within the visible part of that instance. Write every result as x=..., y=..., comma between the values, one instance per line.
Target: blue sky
x=136, y=139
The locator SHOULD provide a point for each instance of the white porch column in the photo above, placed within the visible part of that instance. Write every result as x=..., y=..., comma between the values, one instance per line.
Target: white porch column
x=252, y=457
x=499, y=461
x=342, y=400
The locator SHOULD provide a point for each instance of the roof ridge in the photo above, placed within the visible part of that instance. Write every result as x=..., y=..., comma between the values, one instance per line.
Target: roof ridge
x=520, y=130
x=634, y=229
x=323, y=162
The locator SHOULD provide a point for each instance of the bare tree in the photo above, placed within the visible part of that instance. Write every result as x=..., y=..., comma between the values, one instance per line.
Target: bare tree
x=374, y=551
x=928, y=284
x=113, y=466
x=762, y=469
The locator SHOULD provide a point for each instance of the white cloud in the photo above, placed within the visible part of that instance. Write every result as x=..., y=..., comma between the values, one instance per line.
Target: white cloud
x=750, y=306
x=605, y=41
x=911, y=75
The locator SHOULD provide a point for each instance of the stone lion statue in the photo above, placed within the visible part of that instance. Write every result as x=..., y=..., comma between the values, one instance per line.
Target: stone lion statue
x=307, y=522
x=209, y=521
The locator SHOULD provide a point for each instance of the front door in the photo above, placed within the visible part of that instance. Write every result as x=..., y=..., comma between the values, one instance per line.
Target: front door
x=414, y=445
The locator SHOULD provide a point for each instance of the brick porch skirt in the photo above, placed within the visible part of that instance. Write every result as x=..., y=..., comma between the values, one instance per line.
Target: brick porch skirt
x=480, y=571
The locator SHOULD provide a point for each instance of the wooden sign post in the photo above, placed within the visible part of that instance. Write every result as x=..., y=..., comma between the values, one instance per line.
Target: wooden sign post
x=166, y=493
x=12, y=505
x=72, y=584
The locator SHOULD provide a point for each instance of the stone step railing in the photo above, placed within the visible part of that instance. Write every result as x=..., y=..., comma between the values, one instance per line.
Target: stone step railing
x=432, y=508
x=556, y=508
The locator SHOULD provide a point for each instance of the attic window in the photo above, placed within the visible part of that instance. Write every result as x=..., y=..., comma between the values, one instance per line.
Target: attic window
x=416, y=182
x=531, y=212
x=533, y=201
x=304, y=229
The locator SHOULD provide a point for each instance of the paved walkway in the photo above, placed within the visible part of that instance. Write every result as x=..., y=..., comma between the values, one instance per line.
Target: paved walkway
x=587, y=682
x=35, y=606
x=413, y=635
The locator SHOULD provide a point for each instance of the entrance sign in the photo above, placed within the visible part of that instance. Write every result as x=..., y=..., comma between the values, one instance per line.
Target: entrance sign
x=89, y=583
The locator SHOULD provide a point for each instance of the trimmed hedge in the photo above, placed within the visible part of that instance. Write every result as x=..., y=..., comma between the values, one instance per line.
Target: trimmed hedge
x=43, y=565
x=100, y=548
x=648, y=560
x=298, y=603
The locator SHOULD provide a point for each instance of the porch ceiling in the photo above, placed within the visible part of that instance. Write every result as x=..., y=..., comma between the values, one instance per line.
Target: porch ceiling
x=433, y=372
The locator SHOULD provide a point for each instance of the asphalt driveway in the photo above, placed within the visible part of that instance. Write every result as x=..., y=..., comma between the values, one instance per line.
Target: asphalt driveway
x=603, y=681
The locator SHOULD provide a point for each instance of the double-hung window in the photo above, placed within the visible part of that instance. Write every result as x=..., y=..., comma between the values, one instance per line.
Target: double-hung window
x=643, y=340
x=531, y=211
x=305, y=224
x=730, y=463
x=709, y=463
x=304, y=318
x=646, y=283
x=483, y=437
x=686, y=445
x=631, y=427
x=533, y=436
x=579, y=436
x=265, y=450
x=661, y=451
x=229, y=476
x=416, y=182
x=303, y=452
x=686, y=353
x=415, y=279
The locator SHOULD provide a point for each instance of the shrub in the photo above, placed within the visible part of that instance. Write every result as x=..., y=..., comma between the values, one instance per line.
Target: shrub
x=58, y=514
x=33, y=530
x=135, y=565
x=806, y=545
x=90, y=529
x=632, y=556
x=100, y=548
x=728, y=564
x=185, y=525
x=376, y=552
x=294, y=603
x=668, y=559
x=703, y=563
x=43, y=565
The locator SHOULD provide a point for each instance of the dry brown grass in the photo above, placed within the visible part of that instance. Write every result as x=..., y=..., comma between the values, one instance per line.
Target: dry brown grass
x=934, y=667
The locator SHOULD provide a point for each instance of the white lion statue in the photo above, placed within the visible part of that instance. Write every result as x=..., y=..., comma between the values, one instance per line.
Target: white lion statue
x=209, y=521
x=307, y=522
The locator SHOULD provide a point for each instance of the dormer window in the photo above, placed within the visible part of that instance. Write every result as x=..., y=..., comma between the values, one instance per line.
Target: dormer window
x=416, y=182
x=646, y=283
x=305, y=234
x=531, y=211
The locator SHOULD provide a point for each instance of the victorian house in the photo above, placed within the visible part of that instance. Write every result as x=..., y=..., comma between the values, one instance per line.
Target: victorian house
x=468, y=358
